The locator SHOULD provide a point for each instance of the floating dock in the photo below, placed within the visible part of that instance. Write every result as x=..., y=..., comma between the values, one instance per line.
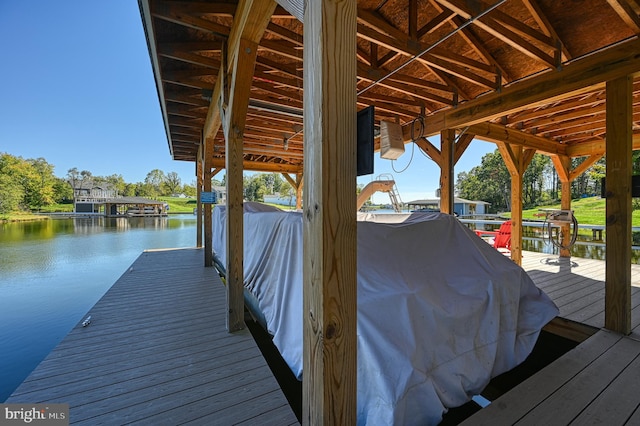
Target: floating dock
x=157, y=351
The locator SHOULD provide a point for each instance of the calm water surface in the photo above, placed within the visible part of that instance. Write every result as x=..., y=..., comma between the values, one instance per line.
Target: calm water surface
x=52, y=272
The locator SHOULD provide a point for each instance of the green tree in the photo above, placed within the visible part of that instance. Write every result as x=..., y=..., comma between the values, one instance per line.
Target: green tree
x=62, y=191
x=189, y=189
x=34, y=177
x=172, y=184
x=533, y=180
x=490, y=182
x=11, y=194
x=117, y=183
x=154, y=180
x=39, y=191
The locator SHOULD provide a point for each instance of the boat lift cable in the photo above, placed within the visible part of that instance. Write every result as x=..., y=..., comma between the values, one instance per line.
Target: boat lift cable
x=431, y=47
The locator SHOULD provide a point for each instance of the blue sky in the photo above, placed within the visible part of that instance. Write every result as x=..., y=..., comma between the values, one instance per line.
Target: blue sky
x=76, y=88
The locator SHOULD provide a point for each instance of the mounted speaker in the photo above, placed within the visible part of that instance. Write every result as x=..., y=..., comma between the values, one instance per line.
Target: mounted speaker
x=635, y=187
x=366, y=124
x=391, y=141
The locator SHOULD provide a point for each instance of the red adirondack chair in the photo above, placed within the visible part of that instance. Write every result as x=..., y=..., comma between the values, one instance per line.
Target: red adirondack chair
x=501, y=237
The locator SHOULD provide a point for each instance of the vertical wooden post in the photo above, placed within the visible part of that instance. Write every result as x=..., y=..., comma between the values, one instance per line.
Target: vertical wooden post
x=562, y=164
x=447, y=149
x=517, y=160
x=618, y=205
x=299, y=184
x=565, y=204
x=329, y=219
x=249, y=22
x=516, y=217
x=208, y=222
x=199, y=167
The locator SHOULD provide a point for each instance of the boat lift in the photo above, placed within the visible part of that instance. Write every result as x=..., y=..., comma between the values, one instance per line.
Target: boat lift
x=382, y=183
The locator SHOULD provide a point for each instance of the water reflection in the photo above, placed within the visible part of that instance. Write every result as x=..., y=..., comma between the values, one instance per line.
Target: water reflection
x=535, y=239
x=52, y=272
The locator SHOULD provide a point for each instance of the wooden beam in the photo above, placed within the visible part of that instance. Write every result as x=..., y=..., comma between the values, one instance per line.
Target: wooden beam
x=499, y=133
x=429, y=149
x=289, y=179
x=617, y=316
x=329, y=218
x=582, y=167
x=447, y=149
x=627, y=13
x=582, y=75
x=262, y=166
x=463, y=143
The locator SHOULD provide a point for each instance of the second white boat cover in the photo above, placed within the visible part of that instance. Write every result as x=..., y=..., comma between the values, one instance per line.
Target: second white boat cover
x=440, y=312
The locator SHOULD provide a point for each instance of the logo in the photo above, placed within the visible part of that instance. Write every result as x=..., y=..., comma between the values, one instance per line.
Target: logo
x=34, y=414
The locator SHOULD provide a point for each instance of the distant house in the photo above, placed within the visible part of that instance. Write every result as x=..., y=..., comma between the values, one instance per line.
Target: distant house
x=221, y=194
x=461, y=206
x=102, y=199
x=95, y=192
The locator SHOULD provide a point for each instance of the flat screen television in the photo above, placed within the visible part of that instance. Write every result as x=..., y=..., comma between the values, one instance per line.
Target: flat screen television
x=366, y=124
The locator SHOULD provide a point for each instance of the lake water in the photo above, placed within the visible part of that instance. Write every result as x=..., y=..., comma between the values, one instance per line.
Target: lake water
x=52, y=272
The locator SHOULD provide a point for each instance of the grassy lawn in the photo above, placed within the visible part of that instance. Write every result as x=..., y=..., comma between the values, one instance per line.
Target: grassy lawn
x=180, y=205
x=588, y=211
x=20, y=217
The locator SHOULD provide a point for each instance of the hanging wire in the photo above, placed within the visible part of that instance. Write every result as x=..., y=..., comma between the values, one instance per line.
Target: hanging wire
x=408, y=164
x=437, y=43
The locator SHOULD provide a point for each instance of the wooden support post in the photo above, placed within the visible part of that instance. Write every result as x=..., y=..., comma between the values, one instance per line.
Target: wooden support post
x=447, y=150
x=199, y=167
x=234, y=135
x=565, y=204
x=329, y=219
x=517, y=160
x=206, y=187
x=562, y=164
x=208, y=222
x=618, y=205
x=250, y=21
x=299, y=185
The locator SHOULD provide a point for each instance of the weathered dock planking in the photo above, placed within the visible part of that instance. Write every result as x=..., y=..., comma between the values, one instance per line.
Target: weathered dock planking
x=576, y=285
x=598, y=382
x=157, y=352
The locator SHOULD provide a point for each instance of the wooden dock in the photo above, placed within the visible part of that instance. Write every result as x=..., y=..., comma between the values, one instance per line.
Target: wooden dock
x=598, y=382
x=157, y=352
x=576, y=285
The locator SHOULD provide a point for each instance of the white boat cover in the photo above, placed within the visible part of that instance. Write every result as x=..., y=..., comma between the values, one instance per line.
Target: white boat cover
x=440, y=311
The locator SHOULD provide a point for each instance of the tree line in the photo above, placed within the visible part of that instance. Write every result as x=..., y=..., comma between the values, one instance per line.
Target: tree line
x=30, y=184
x=491, y=182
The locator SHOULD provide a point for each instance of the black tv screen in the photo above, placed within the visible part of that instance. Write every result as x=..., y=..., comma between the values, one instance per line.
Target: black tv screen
x=365, y=136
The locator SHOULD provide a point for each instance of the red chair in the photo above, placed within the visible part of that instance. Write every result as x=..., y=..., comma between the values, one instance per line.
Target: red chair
x=501, y=237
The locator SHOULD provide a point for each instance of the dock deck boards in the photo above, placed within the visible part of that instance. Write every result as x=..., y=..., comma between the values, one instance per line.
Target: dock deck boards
x=157, y=352
x=576, y=285
x=598, y=382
